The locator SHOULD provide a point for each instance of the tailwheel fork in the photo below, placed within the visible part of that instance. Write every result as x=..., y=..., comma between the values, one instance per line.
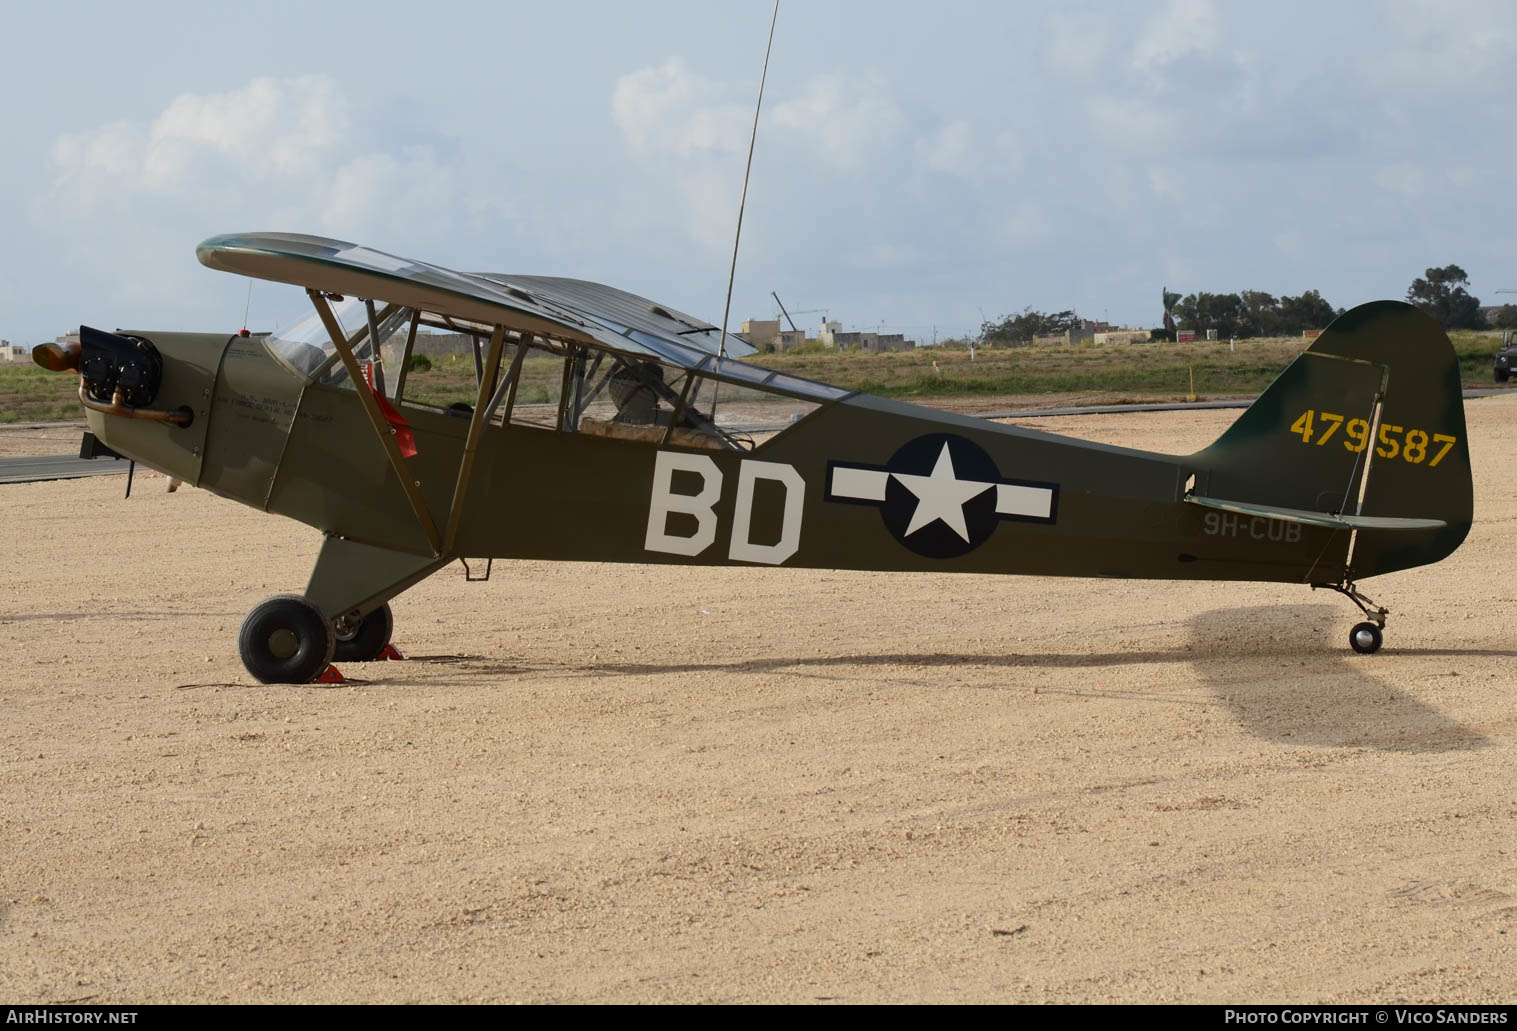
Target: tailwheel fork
x=1367, y=637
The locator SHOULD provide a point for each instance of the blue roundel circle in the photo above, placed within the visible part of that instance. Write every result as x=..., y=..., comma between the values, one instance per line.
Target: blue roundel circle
x=940, y=500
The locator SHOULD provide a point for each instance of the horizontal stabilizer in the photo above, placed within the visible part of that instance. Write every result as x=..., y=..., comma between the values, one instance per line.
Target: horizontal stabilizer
x=1337, y=522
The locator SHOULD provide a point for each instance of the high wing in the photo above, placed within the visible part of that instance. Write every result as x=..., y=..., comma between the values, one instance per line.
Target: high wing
x=563, y=309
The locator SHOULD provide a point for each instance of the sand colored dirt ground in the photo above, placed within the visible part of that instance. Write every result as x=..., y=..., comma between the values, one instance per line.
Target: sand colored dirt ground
x=624, y=783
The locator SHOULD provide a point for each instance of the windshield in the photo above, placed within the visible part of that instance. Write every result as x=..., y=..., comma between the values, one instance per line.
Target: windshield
x=306, y=346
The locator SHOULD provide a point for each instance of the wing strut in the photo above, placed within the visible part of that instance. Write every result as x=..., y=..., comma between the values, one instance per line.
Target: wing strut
x=476, y=427
x=405, y=359
x=376, y=418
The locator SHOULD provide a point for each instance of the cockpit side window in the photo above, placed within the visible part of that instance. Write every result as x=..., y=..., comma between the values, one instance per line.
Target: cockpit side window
x=437, y=361
x=643, y=400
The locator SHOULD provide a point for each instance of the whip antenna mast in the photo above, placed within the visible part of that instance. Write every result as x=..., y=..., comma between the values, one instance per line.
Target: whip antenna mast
x=738, y=236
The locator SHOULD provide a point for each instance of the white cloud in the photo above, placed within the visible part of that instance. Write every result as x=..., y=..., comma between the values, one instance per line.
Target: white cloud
x=949, y=150
x=271, y=155
x=667, y=111
x=1079, y=41
x=366, y=189
x=111, y=150
x=1132, y=123
x=675, y=123
x=280, y=127
x=272, y=148
x=957, y=148
x=1183, y=28
x=267, y=129
x=845, y=121
x=1437, y=48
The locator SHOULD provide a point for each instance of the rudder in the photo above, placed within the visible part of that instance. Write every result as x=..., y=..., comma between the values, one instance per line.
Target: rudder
x=1368, y=421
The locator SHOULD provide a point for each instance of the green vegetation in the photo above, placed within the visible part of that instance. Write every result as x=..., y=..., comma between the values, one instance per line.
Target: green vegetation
x=1442, y=295
x=449, y=380
x=32, y=394
x=1159, y=370
x=1130, y=371
x=1253, y=313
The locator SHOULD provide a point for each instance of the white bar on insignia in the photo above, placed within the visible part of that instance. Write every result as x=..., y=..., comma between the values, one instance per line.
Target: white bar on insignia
x=859, y=484
x=1012, y=500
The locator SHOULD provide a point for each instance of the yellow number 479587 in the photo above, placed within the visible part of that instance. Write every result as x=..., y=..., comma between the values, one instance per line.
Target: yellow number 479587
x=1410, y=445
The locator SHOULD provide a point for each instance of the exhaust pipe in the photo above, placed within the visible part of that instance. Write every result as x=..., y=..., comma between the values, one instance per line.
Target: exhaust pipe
x=118, y=375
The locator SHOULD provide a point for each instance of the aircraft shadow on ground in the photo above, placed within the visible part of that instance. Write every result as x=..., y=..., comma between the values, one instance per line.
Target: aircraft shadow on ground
x=1286, y=675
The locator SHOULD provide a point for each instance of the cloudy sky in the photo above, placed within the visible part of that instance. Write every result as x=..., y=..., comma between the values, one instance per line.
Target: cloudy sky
x=917, y=162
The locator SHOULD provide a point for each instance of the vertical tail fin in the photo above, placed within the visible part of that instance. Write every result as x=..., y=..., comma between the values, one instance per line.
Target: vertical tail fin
x=1368, y=422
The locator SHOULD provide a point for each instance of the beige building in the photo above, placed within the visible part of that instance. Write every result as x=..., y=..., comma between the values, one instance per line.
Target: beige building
x=1124, y=336
x=765, y=334
x=1081, y=331
x=1098, y=333
x=761, y=332
x=13, y=352
x=831, y=335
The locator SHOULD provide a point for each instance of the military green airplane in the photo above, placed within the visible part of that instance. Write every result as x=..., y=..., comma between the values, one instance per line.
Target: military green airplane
x=607, y=428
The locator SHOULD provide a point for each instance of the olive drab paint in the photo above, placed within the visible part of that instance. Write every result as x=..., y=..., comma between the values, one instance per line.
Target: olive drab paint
x=1353, y=463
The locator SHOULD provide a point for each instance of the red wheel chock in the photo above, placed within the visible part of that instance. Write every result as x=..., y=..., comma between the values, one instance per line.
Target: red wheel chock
x=331, y=675
x=390, y=652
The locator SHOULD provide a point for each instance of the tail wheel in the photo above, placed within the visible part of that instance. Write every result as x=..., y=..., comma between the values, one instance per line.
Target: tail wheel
x=286, y=640
x=364, y=643
x=1365, y=638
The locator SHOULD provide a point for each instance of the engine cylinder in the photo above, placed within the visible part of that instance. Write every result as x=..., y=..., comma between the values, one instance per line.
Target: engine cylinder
x=112, y=362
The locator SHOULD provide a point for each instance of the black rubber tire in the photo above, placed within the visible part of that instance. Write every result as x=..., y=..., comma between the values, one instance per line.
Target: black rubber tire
x=286, y=640
x=365, y=643
x=1370, y=631
x=1502, y=375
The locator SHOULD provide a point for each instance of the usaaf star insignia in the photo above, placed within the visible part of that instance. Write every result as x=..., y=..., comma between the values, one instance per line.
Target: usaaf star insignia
x=941, y=495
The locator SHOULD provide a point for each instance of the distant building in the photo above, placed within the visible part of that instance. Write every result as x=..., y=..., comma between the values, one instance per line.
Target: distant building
x=13, y=352
x=1123, y=336
x=766, y=334
x=761, y=333
x=1080, y=332
x=831, y=335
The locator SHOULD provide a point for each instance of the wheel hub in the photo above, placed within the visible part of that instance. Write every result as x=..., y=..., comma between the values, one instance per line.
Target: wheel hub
x=283, y=643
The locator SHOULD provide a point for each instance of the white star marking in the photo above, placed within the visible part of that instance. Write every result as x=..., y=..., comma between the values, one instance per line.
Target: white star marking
x=941, y=496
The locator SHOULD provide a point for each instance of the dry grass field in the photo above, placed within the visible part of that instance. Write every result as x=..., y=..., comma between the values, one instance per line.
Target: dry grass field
x=631, y=784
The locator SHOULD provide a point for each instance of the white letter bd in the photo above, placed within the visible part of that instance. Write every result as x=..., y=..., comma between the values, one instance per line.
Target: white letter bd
x=741, y=548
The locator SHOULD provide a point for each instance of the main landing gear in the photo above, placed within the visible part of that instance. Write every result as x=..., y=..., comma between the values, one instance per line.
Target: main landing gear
x=293, y=638
x=286, y=639
x=1365, y=638
x=366, y=639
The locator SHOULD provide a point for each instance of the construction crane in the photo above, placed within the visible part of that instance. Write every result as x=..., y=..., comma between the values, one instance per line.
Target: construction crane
x=803, y=311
